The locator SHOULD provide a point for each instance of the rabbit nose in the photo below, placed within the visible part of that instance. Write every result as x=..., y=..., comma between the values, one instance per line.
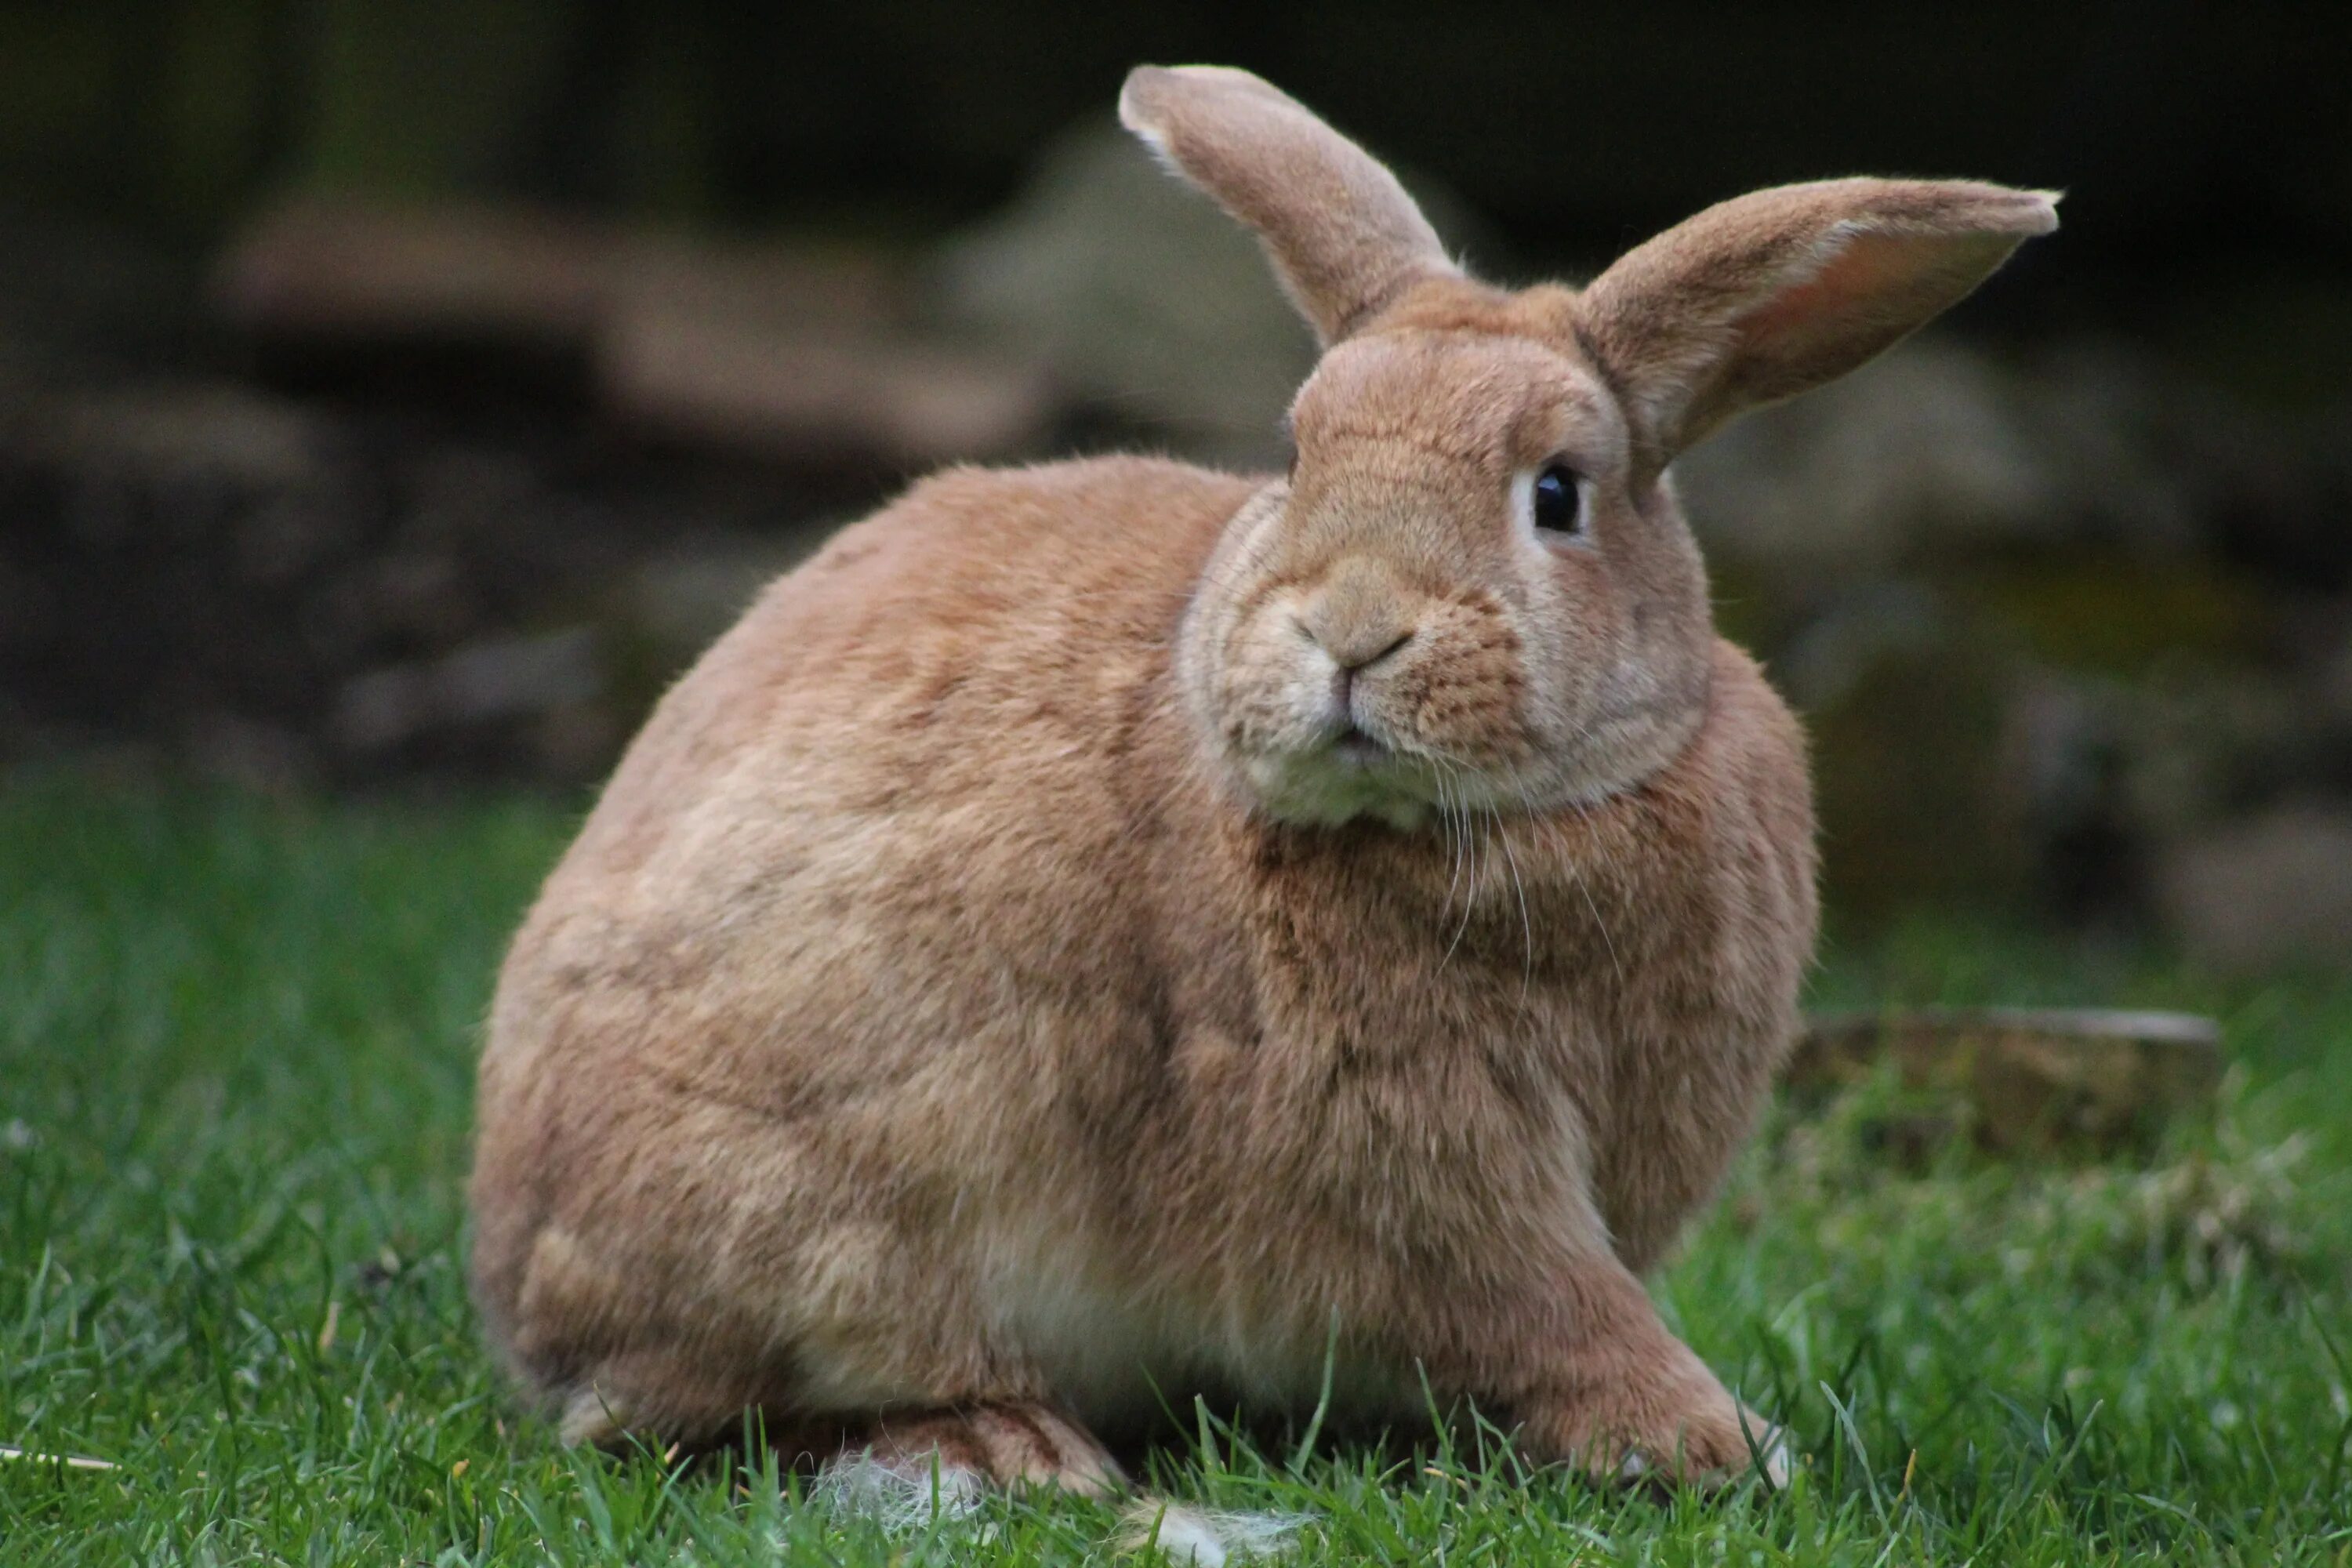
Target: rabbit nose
x=1354, y=655
x=1356, y=618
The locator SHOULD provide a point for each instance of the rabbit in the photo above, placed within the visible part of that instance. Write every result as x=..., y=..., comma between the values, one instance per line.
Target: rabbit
x=1108, y=930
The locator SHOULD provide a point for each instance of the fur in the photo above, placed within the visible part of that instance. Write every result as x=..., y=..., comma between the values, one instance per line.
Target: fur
x=1108, y=930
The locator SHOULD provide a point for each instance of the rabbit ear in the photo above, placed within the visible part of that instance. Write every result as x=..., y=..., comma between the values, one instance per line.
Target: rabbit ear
x=1772, y=294
x=1343, y=235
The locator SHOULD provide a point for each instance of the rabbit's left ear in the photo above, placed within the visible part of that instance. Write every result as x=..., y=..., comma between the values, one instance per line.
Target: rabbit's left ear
x=1344, y=238
x=1772, y=294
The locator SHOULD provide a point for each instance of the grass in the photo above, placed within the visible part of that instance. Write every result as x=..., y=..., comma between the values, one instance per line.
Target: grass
x=236, y=1042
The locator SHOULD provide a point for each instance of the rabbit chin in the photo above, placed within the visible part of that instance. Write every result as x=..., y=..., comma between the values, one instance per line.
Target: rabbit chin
x=1324, y=787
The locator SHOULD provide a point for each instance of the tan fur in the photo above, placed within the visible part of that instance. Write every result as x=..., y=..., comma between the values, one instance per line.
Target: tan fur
x=1344, y=238
x=991, y=998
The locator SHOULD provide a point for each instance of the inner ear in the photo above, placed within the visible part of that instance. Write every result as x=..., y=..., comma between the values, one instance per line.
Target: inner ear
x=1875, y=289
x=1772, y=293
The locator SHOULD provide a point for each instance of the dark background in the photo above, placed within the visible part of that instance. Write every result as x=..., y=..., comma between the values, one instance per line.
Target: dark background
x=2199, y=141
x=392, y=396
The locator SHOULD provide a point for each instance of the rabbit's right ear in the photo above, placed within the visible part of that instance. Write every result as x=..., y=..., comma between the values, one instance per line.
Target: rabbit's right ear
x=1770, y=294
x=1344, y=238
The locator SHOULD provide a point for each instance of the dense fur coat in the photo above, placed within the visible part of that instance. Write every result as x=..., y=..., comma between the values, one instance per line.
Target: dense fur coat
x=1111, y=927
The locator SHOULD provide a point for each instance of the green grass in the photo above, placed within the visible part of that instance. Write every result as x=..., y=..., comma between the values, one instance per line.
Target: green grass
x=236, y=1043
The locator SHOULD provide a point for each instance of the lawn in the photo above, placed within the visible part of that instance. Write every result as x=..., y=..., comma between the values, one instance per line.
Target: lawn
x=236, y=1047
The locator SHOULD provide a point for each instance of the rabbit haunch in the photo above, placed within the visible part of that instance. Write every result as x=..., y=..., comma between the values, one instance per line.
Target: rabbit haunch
x=1109, y=929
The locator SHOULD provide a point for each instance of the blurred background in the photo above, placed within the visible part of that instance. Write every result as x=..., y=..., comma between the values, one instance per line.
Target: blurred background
x=397, y=396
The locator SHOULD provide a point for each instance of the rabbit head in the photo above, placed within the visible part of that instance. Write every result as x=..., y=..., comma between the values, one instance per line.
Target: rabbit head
x=1474, y=586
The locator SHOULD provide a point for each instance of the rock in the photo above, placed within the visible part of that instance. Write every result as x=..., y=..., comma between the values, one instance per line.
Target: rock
x=2024, y=1078
x=2102, y=611
x=2266, y=892
x=1145, y=300
x=1942, y=450
x=484, y=683
x=2066, y=770
x=1140, y=294
x=2205, y=743
x=1906, y=699
x=177, y=432
x=158, y=536
x=1925, y=448
x=2028, y=608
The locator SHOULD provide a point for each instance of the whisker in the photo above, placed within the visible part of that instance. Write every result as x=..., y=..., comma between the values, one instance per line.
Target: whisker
x=1526, y=926
x=1453, y=845
x=1576, y=875
x=1470, y=900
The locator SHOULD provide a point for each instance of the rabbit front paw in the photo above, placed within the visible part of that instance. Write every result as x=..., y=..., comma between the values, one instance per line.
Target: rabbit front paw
x=1661, y=1429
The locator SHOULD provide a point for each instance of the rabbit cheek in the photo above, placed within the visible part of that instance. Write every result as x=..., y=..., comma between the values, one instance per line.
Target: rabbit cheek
x=1273, y=692
x=1462, y=696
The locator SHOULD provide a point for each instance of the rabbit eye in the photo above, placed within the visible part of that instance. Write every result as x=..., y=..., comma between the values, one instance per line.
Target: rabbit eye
x=1558, y=507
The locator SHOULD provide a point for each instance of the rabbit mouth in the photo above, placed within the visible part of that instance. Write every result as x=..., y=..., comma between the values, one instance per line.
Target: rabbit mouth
x=1359, y=748
x=1347, y=772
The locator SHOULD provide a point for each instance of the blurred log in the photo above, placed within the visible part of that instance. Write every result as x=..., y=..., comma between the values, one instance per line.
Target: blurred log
x=802, y=353
x=813, y=393
x=2026, y=1078
x=843, y=285
x=350, y=270
x=789, y=350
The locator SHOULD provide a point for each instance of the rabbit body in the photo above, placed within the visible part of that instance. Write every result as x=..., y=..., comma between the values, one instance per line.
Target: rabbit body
x=918, y=1022
x=1109, y=930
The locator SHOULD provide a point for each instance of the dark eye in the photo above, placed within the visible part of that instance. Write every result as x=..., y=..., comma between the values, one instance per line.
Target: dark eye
x=1558, y=506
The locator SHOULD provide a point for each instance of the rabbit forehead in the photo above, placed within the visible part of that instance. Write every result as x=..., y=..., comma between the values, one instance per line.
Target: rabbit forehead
x=1495, y=402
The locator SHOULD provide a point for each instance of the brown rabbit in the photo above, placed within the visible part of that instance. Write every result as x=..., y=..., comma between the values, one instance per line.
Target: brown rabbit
x=1108, y=929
